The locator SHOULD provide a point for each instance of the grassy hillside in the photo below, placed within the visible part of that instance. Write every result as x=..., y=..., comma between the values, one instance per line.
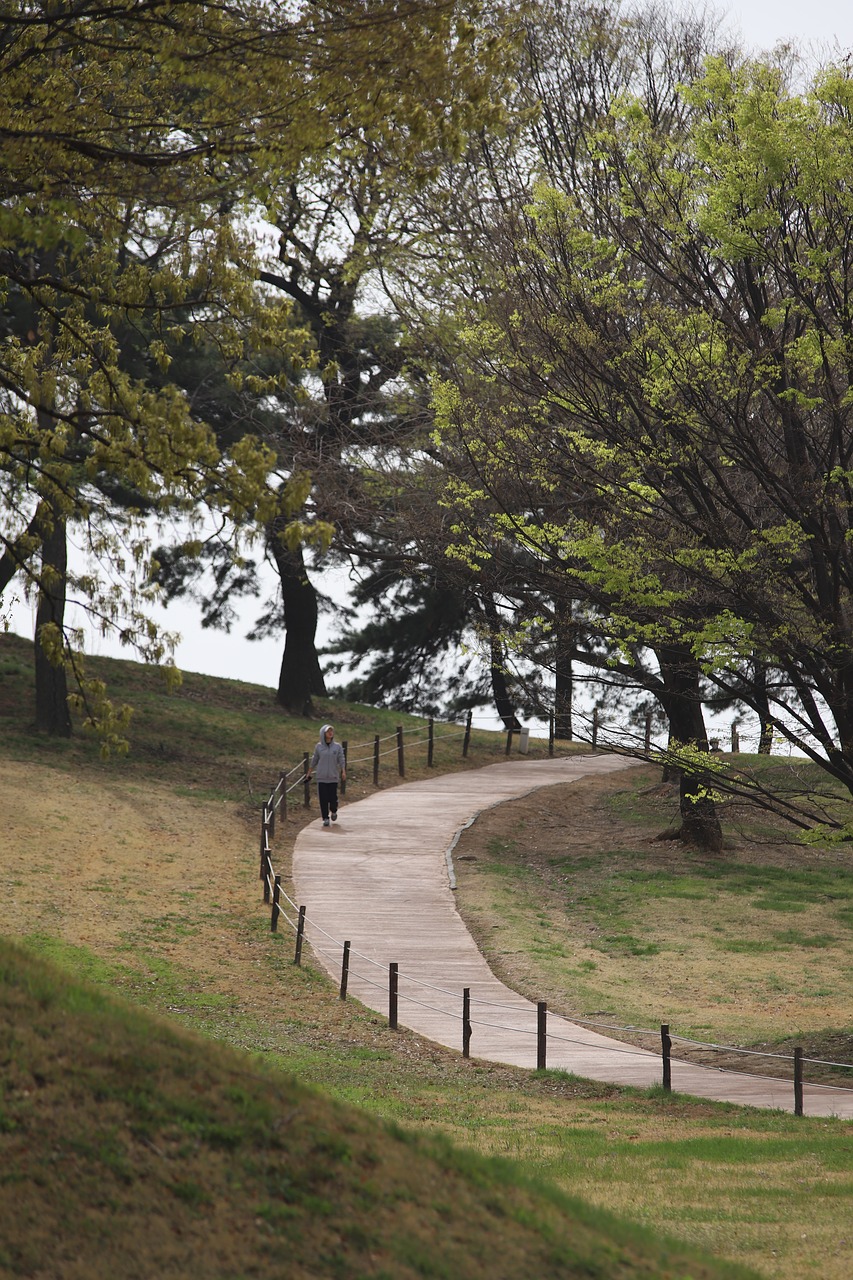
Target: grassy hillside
x=130, y=1148
x=141, y=875
x=224, y=739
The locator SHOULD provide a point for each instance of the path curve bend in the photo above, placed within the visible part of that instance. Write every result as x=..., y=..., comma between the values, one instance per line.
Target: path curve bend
x=381, y=878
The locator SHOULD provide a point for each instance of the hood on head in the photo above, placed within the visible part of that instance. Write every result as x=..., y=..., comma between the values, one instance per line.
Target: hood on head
x=323, y=732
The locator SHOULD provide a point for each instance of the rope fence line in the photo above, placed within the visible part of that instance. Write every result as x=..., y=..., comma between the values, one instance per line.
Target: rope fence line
x=594, y=732
x=713, y=1047
x=288, y=782
x=822, y=1062
x=728, y=1048
x=273, y=890
x=552, y=1036
x=430, y=986
x=736, y=735
x=583, y=1022
x=417, y=742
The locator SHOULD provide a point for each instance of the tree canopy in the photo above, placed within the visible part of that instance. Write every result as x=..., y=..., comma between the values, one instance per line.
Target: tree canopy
x=656, y=401
x=627, y=269
x=139, y=142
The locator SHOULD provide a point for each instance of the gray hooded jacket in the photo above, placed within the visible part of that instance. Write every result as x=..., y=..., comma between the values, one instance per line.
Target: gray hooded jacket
x=328, y=758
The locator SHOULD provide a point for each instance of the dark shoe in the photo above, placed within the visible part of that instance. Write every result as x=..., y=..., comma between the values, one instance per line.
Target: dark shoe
x=325, y=822
x=334, y=816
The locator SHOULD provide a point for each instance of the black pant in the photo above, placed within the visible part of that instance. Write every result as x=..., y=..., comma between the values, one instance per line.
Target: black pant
x=328, y=795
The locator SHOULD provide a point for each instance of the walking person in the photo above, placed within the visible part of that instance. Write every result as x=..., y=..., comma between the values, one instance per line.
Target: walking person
x=330, y=763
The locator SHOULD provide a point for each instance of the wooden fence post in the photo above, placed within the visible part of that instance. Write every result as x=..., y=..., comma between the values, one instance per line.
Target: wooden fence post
x=307, y=797
x=466, y=1022
x=541, y=1034
x=276, y=909
x=267, y=875
x=376, y=761
x=265, y=845
x=300, y=933
x=345, y=971
x=798, y=1081
x=400, y=764
x=283, y=782
x=393, y=978
x=430, y=743
x=345, y=746
x=270, y=808
x=466, y=741
x=666, y=1049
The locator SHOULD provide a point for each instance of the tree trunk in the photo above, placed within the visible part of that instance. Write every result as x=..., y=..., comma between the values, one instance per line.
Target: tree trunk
x=762, y=706
x=300, y=677
x=52, y=714
x=700, y=824
x=563, y=672
x=497, y=668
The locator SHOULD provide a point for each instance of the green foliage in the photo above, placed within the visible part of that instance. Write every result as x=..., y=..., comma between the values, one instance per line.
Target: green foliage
x=652, y=402
x=116, y=224
x=139, y=146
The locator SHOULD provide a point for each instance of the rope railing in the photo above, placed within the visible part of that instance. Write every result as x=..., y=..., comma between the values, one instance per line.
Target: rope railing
x=499, y=1026
x=587, y=728
x=729, y=1048
x=534, y=1031
x=296, y=776
x=626, y=1052
x=273, y=889
x=613, y=1026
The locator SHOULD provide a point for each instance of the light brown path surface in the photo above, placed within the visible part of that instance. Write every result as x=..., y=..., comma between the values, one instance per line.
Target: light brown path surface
x=382, y=878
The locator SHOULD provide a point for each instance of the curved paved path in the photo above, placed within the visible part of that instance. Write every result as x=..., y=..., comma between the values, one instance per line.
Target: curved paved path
x=382, y=878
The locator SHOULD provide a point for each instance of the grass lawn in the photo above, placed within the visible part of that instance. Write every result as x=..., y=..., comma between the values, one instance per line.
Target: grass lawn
x=141, y=875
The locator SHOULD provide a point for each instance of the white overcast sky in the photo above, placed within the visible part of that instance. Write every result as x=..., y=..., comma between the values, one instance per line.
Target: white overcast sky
x=815, y=25
x=763, y=23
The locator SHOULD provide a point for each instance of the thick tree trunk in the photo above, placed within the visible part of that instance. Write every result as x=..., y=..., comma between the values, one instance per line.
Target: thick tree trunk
x=563, y=670
x=700, y=824
x=497, y=668
x=52, y=714
x=500, y=692
x=300, y=678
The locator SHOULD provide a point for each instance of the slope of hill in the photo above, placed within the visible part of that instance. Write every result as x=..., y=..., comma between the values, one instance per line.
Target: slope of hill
x=130, y=1148
x=141, y=876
